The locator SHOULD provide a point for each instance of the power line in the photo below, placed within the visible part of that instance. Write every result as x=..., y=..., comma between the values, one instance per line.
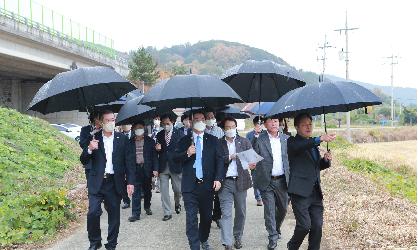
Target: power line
x=392, y=62
x=324, y=48
x=346, y=29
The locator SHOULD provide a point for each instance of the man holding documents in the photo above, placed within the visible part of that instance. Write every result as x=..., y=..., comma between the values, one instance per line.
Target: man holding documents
x=272, y=176
x=236, y=182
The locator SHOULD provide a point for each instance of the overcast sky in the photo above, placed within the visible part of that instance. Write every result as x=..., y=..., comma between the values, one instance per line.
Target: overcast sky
x=292, y=30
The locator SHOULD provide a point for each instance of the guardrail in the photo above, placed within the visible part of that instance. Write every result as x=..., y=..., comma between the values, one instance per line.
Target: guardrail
x=41, y=18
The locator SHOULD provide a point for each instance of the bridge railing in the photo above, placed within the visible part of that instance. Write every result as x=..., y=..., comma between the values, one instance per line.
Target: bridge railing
x=37, y=16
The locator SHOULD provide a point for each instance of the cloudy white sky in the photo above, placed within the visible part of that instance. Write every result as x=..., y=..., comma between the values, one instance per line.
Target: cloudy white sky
x=291, y=30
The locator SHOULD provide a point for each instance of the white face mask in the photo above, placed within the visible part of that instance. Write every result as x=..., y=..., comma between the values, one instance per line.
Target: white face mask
x=231, y=132
x=199, y=126
x=139, y=132
x=109, y=127
x=168, y=128
x=157, y=122
x=210, y=122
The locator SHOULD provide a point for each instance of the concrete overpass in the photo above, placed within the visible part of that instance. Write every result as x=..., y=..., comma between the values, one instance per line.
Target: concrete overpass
x=32, y=53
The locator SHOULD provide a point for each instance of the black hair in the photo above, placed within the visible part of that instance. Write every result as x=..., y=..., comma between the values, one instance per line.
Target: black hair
x=140, y=122
x=184, y=116
x=94, y=115
x=228, y=119
x=199, y=112
x=300, y=116
x=257, y=119
x=165, y=116
x=105, y=112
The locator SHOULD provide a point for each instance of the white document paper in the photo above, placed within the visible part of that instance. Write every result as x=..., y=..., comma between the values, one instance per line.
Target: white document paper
x=248, y=156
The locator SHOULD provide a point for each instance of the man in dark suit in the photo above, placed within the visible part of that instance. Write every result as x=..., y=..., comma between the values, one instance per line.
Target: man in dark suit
x=202, y=162
x=185, y=119
x=112, y=161
x=126, y=130
x=86, y=135
x=305, y=191
x=237, y=181
x=271, y=177
x=168, y=168
x=146, y=165
x=252, y=137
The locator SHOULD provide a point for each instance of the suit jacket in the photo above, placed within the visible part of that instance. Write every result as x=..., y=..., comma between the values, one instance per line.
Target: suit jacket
x=212, y=162
x=123, y=163
x=150, y=155
x=263, y=170
x=165, y=155
x=241, y=144
x=85, y=138
x=304, y=169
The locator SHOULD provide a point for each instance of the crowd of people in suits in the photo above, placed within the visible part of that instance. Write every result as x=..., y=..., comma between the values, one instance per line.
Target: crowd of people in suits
x=201, y=160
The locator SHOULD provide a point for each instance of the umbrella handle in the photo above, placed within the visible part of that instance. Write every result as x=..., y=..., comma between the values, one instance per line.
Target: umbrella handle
x=325, y=126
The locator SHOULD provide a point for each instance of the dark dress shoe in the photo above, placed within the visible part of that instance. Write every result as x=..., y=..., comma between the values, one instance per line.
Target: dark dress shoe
x=167, y=217
x=272, y=245
x=109, y=247
x=126, y=205
x=95, y=246
x=205, y=245
x=148, y=211
x=178, y=209
x=238, y=244
x=134, y=218
x=228, y=247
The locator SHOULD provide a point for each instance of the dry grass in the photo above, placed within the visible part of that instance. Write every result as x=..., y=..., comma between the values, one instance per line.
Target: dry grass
x=360, y=215
x=395, y=154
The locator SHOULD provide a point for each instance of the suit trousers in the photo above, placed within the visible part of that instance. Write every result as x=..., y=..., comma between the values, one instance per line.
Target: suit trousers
x=142, y=186
x=198, y=201
x=309, y=219
x=165, y=177
x=275, y=199
x=230, y=197
x=112, y=199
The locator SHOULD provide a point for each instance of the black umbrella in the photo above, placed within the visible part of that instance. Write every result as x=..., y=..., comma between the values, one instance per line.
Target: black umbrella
x=80, y=88
x=132, y=112
x=324, y=98
x=117, y=105
x=184, y=91
x=262, y=81
x=231, y=111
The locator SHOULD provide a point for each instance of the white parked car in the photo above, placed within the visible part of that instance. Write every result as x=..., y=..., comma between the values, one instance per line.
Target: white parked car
x=72, y=132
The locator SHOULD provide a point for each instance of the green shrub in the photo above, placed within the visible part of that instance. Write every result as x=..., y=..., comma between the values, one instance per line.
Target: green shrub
x=33, y=160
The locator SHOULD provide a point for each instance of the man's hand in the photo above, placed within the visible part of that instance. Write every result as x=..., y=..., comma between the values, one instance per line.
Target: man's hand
x=94, y=144
x=155, y=173
x=328, y=137
x=130, y=190
x=216, y=185
x=232, y=157
x=328, y=156
x=191, y=150
x=158, y=147
x=252, y=166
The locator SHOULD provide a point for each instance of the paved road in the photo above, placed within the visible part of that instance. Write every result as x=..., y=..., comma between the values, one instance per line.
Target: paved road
x=153, y=233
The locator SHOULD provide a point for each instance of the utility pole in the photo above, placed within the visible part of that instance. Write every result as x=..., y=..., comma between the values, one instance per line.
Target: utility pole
x=346, y=29
x=392, y=62
x=324, y=48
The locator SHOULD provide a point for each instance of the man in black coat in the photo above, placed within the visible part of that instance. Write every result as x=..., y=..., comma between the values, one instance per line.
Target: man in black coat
x=146, y=165
x=112, y=161
x=304, y=187
x=168, y=169
x=202, y=166
x=86, y=135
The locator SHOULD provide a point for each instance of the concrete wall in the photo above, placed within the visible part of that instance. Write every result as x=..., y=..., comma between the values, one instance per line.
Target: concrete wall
x=17, y=95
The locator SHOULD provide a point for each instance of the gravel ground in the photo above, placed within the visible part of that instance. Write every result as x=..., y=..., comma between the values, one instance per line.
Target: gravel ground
x=153, y=233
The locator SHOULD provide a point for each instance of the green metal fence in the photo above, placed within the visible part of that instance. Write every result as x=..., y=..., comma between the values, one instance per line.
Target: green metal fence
x=40, y=17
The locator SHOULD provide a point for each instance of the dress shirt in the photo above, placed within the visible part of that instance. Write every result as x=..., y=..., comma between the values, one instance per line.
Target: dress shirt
x=276, y=149
x=232, y=168
x=108, y=146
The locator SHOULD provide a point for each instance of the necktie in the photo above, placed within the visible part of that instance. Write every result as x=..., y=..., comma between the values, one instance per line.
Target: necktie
x=198, y=162
x=167, y=138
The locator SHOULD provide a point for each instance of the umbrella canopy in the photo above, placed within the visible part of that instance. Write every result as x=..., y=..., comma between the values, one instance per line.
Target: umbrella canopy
x=184, y=91
x=80, y=88
x=261, y=108
x=132, y=112
x=226, y=111
x=324, y=98
x=262, y=81
x=231, y=111
x=117, y=105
